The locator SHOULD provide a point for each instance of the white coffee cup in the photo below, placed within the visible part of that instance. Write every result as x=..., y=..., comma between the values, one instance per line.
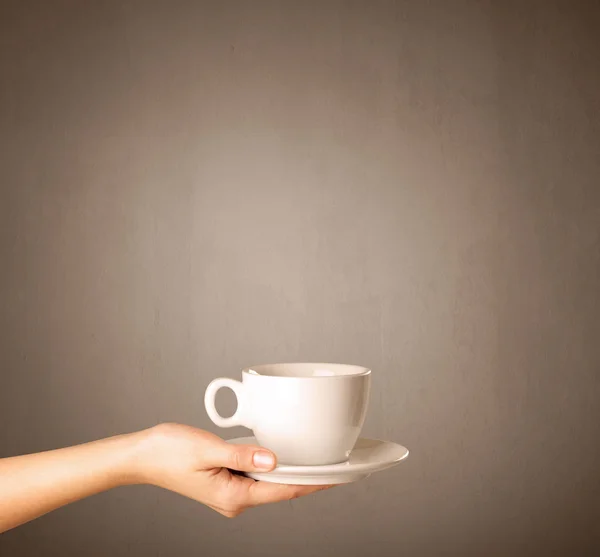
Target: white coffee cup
x=307, y=414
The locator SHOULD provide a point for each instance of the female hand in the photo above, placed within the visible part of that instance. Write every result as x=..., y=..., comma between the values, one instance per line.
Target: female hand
x=189, y=461
x=198, y=464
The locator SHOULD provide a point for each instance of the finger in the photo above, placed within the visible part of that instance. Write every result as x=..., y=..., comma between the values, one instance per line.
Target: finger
x=244, y=458
x=262, y=493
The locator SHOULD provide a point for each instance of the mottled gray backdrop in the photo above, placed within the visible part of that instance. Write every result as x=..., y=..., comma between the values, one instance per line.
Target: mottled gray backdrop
x=191, y=187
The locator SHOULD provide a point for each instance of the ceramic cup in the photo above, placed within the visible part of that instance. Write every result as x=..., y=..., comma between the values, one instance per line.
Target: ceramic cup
x=307, y=414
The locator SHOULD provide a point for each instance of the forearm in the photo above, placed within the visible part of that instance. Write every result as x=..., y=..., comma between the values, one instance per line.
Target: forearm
x=32, y=485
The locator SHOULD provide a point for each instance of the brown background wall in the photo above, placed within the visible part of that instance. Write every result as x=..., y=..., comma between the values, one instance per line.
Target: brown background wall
x=190, y=187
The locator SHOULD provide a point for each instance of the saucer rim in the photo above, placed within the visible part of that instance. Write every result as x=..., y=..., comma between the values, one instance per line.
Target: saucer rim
x=328, y=469
x=317, y=479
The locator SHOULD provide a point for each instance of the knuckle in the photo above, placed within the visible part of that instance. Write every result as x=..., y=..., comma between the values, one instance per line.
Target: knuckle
x=232, y=514
x=241, y=459
x=231, y=504
x=296, y=493
x=235, y=460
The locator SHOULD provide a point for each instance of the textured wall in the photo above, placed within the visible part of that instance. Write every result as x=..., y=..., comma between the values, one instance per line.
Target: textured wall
x=190, y=187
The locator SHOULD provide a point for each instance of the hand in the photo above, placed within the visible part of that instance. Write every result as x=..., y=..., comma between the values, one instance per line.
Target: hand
x=196, y=464
x=183, y=459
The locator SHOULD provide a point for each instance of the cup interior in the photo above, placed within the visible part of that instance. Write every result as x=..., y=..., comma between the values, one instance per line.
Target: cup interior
x=308, y=370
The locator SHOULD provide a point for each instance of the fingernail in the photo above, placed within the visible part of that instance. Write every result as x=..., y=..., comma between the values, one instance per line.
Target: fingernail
x=263, y=459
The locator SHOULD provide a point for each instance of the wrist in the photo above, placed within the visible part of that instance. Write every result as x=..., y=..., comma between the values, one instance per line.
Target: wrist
x=128, y=468
x=143, y=459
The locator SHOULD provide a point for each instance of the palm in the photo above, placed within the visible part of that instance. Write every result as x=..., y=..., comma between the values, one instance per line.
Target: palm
x=228, y=488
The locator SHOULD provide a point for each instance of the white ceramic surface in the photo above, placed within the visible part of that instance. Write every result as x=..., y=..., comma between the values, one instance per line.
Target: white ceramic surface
x=367, y=457
x=308, y=414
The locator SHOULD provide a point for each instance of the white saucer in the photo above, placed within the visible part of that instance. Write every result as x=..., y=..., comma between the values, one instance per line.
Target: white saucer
x=368, y=456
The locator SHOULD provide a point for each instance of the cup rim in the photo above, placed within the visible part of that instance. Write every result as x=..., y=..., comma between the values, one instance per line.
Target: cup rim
x=362, y=371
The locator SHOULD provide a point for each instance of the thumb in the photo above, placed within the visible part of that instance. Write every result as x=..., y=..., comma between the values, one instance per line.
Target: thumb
x=243, y=458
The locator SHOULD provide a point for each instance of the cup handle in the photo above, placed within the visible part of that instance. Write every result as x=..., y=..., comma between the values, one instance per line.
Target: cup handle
x=238, y=417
